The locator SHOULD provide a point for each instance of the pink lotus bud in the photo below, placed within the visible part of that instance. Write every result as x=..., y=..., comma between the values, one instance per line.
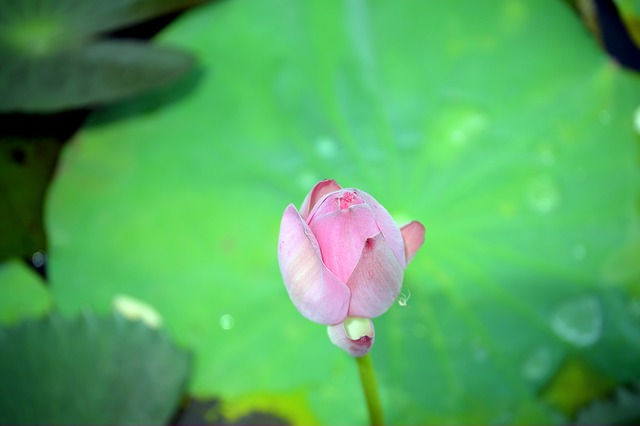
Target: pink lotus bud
x=344, y=256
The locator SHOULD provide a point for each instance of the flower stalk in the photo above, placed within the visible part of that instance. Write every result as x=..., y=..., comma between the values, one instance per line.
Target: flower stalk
x=370, y=388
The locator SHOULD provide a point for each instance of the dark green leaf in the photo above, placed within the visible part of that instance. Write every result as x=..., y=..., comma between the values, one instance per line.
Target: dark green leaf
x=36, y=22
x=622, y=408
x=26, y=165
x=87, y=75
x=89, y=370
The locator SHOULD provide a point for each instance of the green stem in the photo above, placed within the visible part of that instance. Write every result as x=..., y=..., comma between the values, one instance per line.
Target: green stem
x=370, y=387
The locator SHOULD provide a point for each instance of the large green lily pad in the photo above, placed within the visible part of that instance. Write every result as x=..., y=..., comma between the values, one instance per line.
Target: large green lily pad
x=499, y=125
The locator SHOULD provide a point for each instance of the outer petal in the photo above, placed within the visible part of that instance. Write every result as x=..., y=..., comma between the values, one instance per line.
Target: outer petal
x=413, y=235
x=387, y=226
x=342, y=235
x=314, y=290
x=321, y=189
x=354, y=335
x=376, y=280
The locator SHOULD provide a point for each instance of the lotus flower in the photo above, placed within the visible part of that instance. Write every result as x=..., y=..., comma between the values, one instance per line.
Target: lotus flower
x=342, y=258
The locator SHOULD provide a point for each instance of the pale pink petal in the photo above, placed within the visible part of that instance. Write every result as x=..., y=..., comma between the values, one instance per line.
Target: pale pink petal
x=413, y=235
x=321, y=189
x=387, y=226
x=341, y=236
x=376, y=280
x=314, y=290
x=355, y=345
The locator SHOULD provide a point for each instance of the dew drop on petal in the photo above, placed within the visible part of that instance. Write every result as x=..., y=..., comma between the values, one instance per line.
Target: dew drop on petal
x=578, y=321
x=403, y=299
x=227, y=322
x=466, y=125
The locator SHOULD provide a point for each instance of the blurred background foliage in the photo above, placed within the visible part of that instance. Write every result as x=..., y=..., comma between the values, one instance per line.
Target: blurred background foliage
x=501, y=125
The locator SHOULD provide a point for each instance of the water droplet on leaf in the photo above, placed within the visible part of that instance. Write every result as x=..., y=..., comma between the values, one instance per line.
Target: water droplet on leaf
x=479, y=351
x=579, y=252
x=466, y=125
x=227, y=322
x=38, y=259
x=326, y=147
x=578, y=321
x=546, y=156
x=543, y=194
x=538, y=365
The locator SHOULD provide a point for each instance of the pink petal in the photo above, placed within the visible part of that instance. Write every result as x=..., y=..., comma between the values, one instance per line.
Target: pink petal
x=356, y=346
x=341, y=236
x=413, y=235
x=321, y=189
x=376, y=280
x=387, y=226
x=314, y=290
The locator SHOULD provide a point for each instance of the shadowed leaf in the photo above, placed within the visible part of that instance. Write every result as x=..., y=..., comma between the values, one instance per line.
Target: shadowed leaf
x=26, y=165
x=88, y=75
x=89, y=370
